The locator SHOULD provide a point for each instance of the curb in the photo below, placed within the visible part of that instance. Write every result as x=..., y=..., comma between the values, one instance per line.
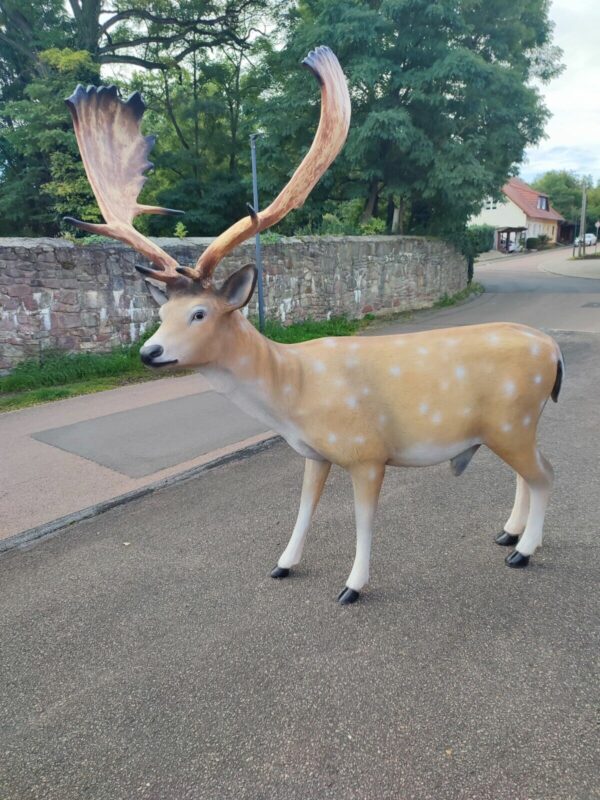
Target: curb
x=30, y=537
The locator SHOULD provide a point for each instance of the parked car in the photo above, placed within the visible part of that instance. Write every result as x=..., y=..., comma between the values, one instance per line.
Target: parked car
x=590, y=238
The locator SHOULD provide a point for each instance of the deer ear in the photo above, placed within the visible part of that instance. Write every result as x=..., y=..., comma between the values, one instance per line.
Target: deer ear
x=238, y=288
x=158, y=295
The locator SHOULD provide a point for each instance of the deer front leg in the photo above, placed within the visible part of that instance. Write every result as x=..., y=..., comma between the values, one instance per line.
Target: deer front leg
x=315, y=475
x=367, y=480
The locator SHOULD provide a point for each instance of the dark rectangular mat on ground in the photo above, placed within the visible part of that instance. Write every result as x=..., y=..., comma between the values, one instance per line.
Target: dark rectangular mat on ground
x=144, y=440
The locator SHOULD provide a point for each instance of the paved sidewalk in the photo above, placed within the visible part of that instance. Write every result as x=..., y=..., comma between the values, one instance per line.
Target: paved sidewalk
x=63, y=457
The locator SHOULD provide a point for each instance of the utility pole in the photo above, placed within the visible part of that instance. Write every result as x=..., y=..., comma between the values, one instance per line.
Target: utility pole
x=582, y=220
x=259, y=266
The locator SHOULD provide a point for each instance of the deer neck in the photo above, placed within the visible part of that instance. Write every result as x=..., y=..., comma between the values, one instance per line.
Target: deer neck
x=252, y=370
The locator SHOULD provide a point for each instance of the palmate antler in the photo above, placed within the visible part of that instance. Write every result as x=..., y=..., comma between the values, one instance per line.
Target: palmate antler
x=329, y=140
x=115, y=156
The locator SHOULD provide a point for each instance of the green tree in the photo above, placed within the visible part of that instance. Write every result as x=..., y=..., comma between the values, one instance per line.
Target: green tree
x=42, y=174
x=443, y=106
x=564, y=191
x=203, y=115
x=593, y=207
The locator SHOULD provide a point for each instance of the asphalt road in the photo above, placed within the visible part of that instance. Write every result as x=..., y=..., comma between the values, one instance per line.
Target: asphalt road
x=147, y=654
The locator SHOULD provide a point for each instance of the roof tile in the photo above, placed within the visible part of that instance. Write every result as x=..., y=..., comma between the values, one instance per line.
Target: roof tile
x=526, y=198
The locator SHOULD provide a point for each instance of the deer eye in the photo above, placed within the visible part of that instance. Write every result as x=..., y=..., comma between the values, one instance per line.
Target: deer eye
x=198, y=314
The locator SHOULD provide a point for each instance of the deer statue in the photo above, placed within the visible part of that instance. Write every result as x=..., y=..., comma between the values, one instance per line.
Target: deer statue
x=409, y=400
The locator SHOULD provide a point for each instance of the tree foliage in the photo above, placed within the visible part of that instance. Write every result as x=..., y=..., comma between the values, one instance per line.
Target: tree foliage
x=443, y=105
x=564, y=189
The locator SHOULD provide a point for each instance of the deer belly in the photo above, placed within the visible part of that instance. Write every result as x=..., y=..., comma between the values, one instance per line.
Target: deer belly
x=427, y=454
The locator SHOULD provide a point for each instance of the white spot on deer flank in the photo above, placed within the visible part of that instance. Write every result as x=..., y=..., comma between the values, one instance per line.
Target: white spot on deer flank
x=423, y=408
x=352, y=362
x=351, y=401
x=319, y=367
x=422, y=351
x=436, y=417
x=243, y=361
x=466, y=411
x=359, y=439
x=332, y=438
x=354, y=345
x=460, y=372
x=509, y=388
x=366, y=391
x=526, y=421
x=493, y=338
x=372, y=473
x=535, y=349
x=287, y=389
x=382, y=419
x=444, y=385
x=537, y=378
x=330, y=342
x=395, y=371
x=506, y=427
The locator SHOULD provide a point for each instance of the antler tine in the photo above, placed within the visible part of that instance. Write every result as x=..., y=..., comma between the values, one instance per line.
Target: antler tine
x=115, y=157
x=329, y=140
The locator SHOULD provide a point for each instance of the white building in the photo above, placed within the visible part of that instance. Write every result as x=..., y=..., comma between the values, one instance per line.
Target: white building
x=522, y=213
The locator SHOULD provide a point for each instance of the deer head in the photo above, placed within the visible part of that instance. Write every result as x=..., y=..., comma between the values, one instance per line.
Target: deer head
x=115, y=156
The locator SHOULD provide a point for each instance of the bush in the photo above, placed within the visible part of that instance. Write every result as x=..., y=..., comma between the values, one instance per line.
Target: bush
x=374, y=226
x=532, y=243
x=180, y=230
x=543, y=240
x=481, y=238
x=344, y=220
x=332, y=226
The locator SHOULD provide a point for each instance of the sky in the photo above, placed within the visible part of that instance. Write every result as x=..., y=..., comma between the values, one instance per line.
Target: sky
x=573, y=133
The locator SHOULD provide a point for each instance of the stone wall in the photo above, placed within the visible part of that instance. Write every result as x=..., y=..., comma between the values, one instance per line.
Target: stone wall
x=57, y=295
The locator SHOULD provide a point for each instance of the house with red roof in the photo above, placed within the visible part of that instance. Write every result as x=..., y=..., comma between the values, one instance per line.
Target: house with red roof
x=522, y=213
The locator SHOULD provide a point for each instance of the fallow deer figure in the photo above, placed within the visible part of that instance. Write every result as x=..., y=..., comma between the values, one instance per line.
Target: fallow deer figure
x=409, y=400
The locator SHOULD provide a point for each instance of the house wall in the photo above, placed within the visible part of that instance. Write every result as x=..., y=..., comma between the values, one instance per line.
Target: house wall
x=535, y=227
x=56, y=295
x=506, y=215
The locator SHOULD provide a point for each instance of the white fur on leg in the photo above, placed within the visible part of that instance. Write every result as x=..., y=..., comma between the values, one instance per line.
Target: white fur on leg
x=315, y=475
x=518, y=518
x=293, y=552
x=532, y=537
x=538, y=502
x=367, y=485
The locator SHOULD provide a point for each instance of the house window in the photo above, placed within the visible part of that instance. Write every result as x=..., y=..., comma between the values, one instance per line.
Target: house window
x=490, y=205
x=542, y=202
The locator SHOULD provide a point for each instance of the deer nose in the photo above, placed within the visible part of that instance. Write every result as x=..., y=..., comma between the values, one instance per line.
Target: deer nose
x=150, y=353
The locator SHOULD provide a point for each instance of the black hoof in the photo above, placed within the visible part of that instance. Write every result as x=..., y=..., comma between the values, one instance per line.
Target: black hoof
x=280, y=572
x=347, y=596
x=516, y=560
x=505, y=539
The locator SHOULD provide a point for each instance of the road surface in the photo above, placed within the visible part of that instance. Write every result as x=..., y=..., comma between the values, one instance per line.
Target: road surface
x=146, y=653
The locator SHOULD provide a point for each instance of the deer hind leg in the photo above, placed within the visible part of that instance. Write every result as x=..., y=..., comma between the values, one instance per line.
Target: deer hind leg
x=315, y=475
x=538, y=476
x=515, y=525
x=367, y=480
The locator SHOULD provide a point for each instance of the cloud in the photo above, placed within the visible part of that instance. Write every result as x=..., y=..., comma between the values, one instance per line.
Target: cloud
x=573, y=133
